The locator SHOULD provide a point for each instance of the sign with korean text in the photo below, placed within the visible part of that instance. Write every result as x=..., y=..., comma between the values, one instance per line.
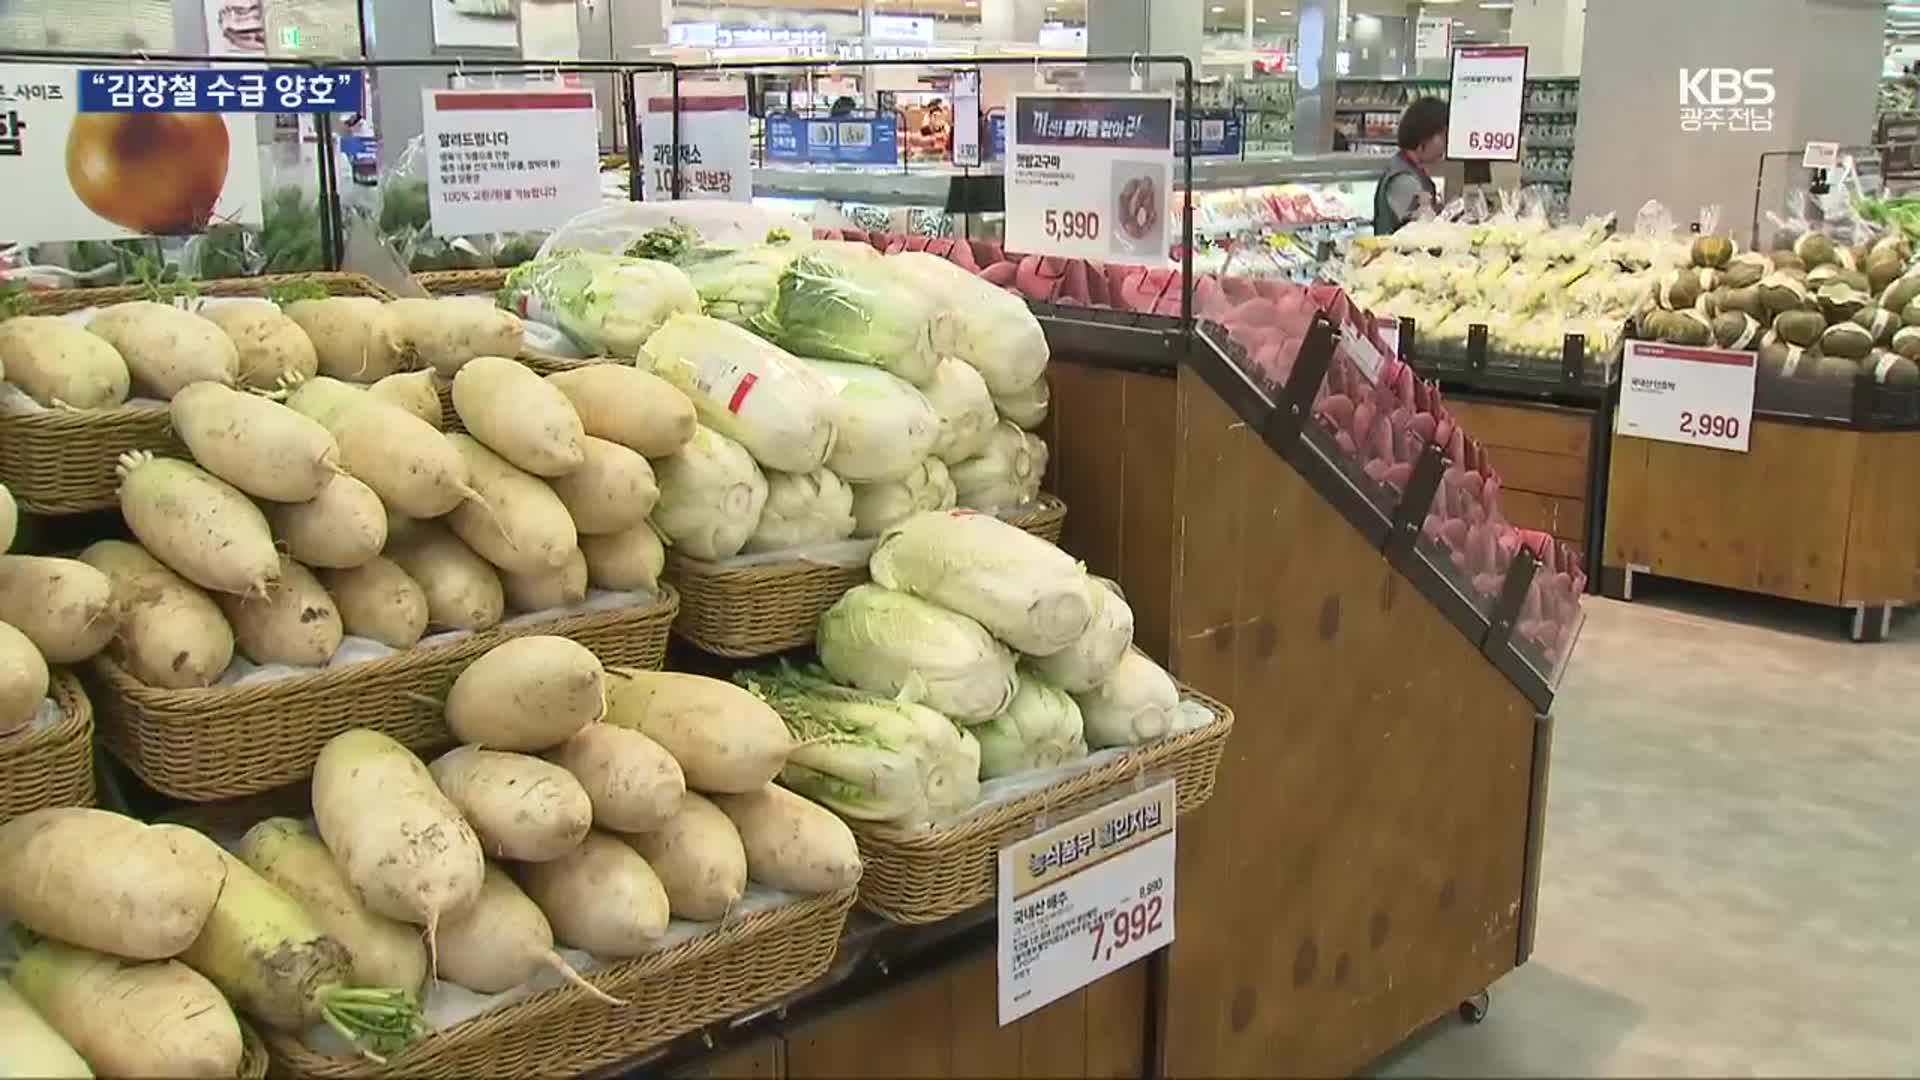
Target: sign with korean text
x=1085, y=898
x=997, y=136
x=833, y=140
x=1682, y=394
x=221, y=90
x=1432, y=35
x=716, y=161
x=509, y=160
x=1216, y=133
x=1488, y=87
x=966, y=118
x=75, y=175
x=1089, y=175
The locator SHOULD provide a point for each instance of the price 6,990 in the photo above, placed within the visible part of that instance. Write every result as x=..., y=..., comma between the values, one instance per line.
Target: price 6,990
x=1117, y=928
x=1073, y=224
x=1493, y=140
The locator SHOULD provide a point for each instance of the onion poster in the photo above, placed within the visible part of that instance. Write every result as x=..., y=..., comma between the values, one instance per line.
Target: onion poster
x=73, y=175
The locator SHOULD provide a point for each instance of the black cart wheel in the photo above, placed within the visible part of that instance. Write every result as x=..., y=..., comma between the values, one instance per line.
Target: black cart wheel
x=1474, y=1009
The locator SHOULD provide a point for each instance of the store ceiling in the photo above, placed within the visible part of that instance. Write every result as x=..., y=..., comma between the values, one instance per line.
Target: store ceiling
x=1270, y=16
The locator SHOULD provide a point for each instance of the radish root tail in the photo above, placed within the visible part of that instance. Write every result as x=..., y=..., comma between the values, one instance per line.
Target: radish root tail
x=559, y=964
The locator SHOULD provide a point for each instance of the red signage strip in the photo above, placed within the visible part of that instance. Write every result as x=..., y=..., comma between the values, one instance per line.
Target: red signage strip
x=1693, y=353
x=487, y=100
x=736, y=103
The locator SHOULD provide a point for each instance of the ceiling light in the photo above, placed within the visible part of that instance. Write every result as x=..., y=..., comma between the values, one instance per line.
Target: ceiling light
x=1496, y=5
x=1259, y=18
x=1217, y=9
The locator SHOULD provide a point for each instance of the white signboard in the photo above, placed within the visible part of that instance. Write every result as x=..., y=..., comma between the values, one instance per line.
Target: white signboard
x=509, y=160
x=1090, y=175
x=966, y=118
x=1821, y=155
x=1682, y=394
x=1432, y=36
x=1084, y=899
x=69, y=175
x=900, y=28
x=1488, y=88
x=715, y=156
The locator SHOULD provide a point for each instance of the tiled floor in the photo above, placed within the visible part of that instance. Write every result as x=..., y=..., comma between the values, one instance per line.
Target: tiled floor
x=1732, y=868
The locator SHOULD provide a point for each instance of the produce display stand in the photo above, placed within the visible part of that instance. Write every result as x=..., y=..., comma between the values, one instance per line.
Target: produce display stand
x=1549, y=427
x=51, y=765
x=1819, y=509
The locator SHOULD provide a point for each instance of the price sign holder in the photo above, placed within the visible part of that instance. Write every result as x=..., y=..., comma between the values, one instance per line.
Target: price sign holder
x=1083, y=898
x=1488, y=92
x=1682, y=394
x=1089, y=176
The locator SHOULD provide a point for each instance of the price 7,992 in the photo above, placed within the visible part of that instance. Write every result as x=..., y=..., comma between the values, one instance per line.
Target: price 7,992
x=1125, y=924
x=1709, y=425
x=1073, y=224
x=1493, y=140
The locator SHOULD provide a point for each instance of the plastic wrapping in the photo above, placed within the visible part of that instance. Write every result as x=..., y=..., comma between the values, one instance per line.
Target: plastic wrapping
x=614, y=229
x=401, y=214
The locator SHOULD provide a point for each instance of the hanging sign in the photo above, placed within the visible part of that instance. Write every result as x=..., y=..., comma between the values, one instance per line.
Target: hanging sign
x=1217, y=133
x=716, y=160
x=1085, y=898
x=966, y=118
x=1089, y=175
x=1431, y=37
x=833, y=140
x=72, y=173
x=1488, y=86
x=1821, y=155
x=509, y=160
x=1682, y=394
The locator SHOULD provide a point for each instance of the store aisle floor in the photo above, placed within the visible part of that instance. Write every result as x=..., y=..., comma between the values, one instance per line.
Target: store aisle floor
x=1732, y=864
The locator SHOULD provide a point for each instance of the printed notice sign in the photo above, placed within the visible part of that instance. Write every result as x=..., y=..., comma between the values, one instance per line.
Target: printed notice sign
x=1678, y=393
x=1085, y=898
x=1488, y=89
x=1089, y=176
x=716, y=161
x=510, y=160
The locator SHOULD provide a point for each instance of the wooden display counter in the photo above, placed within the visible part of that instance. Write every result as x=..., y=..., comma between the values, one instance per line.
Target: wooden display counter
x=1551, y=459
x=1821, y=514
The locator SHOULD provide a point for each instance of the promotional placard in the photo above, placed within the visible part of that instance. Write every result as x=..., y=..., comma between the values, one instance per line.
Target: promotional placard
x=1084, y=899
x=1683, y=394
x=1216, y=132
x=966, y=118
x=509, y=160
x=1432, y=35
x=74, y=174
x=716, y=161
x=1089, y=175
x=1488, y=90
x=833, y=140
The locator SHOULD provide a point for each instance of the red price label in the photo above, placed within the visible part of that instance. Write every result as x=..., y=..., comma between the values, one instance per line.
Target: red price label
x=1493, y=140
x=1709, y=425
x=1117, y=928
x=1073, y=224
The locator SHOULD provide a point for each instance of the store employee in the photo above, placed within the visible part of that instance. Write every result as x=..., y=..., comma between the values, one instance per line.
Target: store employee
x=1407, y=187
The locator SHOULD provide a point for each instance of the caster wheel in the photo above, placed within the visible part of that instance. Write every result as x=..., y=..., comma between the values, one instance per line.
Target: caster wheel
x=1474, y=1009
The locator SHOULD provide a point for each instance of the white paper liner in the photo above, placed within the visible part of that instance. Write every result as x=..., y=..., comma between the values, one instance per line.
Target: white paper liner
x=48, y=714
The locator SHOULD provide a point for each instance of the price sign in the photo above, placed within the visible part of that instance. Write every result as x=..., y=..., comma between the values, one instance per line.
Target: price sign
x=1488, y=86
x=509, y=160
x=1089, y=175
x=966, y=118
x=1084, y=899
x=716, y=161
x=1821, y=155
x=1431, y=36
x=1677, y=393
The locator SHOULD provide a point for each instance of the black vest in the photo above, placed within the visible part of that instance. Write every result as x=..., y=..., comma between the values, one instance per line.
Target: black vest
x=1385, y=221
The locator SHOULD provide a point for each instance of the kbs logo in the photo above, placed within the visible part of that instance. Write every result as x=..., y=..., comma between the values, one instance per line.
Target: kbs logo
x=1726, y=99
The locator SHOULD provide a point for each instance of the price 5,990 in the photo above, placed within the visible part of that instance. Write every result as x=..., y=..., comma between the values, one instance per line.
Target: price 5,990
x=1073, y=224
x=1493, y=140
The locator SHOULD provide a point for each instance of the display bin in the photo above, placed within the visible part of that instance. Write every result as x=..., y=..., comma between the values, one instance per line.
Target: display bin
x=462, y=282
x=748, y=611
x=62, y=461
x=924, y=875
x=215, y=743
x=742, y=965
x=52, y=765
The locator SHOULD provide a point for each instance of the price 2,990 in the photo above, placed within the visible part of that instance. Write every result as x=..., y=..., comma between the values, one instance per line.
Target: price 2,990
x=1492, y=140
x=1073, y=225
x=1709, y=425
x=1123, y=925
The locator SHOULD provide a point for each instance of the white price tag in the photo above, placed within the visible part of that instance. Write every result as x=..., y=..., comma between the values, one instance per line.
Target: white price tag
x=966, y=118
x=510, y=160
x=1488, y=88
x=1089, y=176
x=1682, y=394
x=1389, y=329
x=1821, y=155
x=1085, y=898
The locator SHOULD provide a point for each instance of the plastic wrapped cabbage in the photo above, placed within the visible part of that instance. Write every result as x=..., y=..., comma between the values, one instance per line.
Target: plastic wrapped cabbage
x=1026, y=407
x=890, y=643
x=1041, y=729
x=967, y=414
x=750, y=390
x=711, y=495
x=1030, y=594
x=1081, y=666
x=1006, y=473
x=835, y=303
x=984, y=325
x=1134, y=704
x=803, y=509
x=739, y=285
x=879, y=507
x=607, y=304
x=885, y=428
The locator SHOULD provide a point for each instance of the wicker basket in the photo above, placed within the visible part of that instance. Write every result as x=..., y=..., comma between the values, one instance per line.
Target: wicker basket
x=925, y=876
x=563, y=1032
x=481, y=282
x=59, y=461
x=748, y=611
x=51, y=766
x=223, y=742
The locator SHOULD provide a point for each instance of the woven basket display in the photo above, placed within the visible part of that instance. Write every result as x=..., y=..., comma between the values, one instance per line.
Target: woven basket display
x=462, y=282
x=61, y=461
x=50, y=766
x=928, y=875
x=223, y=742
x=563, y=1032
x=748, y=611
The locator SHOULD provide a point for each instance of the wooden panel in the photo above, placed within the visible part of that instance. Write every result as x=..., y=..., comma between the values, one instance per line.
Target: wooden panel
x=1883, y=529
x=1774, y=520
x=1382, y=763
x=1533, y=470
x=761, y=1059
x=1564, y=518
x=1548, y=429
x=905, y=1033
x=981, y=1047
